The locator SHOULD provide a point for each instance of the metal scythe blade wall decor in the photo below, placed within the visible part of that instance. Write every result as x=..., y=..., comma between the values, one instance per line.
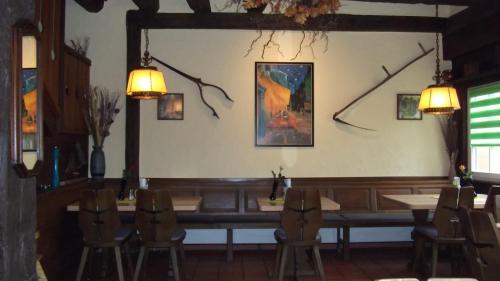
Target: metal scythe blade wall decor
x=198, y=83
x=389, y=77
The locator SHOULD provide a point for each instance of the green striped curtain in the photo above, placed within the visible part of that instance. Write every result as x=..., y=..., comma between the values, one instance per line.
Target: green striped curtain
x=484, y=114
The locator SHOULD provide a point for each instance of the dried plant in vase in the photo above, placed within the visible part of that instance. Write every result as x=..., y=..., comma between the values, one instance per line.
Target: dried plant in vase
x=101, y=108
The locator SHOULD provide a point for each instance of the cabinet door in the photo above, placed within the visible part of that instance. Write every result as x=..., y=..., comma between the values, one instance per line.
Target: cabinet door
x=76, y=83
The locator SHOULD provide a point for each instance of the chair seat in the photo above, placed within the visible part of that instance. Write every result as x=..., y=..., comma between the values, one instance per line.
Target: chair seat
x=121, y=236
x=281, y=237
x=431, y=233
x=178, y=235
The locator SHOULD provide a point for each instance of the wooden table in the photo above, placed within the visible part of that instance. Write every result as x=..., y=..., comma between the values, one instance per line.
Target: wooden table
x=181, y=204
x=266, y=205
x=427, y=201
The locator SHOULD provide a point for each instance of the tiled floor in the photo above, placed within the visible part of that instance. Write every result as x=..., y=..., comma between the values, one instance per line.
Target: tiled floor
x=365, y=265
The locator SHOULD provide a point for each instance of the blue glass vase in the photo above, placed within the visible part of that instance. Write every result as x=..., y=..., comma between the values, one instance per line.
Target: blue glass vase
x=56, y=152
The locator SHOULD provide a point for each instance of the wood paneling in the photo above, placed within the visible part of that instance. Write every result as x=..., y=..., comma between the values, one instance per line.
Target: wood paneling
x=384, y=204
x=353, y=194
x=353, y=199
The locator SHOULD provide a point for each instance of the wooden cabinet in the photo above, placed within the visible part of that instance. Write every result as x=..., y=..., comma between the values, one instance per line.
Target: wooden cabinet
x=75, y=84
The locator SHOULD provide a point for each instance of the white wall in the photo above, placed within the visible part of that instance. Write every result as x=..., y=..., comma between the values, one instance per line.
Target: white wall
x=202, y=146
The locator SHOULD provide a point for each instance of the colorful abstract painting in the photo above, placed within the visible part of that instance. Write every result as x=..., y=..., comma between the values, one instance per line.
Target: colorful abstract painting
x=29, y=109
x=284, y=108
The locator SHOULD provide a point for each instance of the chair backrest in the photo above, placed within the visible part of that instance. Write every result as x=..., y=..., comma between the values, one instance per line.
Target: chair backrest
x=497, y=208
x=155, y=217
x=445, y=211
x=487, y=243
x=452, y=279
x=397, y=279
x=98, y=216
x=472, y=253
x=301, y=217
x=489, y=206
x=466, y=197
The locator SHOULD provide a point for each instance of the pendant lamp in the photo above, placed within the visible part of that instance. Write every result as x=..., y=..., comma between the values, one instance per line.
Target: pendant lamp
x=440, y=98
x=146, y=82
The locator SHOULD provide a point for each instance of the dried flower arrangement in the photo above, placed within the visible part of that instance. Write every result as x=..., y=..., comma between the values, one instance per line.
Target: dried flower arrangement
x=80, y=45
x=299, y=10
x=100, y=111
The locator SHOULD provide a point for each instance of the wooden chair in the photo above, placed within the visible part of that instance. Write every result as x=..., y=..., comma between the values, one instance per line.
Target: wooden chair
x=444, y=229
x=487, y=243
x=397, y=279
x=157, y=226
x=99, y=221
x=490, y=205
x=300, y=223
x=497, y=209
x=452, y=279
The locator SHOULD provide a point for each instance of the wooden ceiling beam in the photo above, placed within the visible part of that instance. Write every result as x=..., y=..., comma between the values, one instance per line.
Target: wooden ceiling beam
x=426, y=2
x=243, y=21
x=200, y=6
x=151, y=6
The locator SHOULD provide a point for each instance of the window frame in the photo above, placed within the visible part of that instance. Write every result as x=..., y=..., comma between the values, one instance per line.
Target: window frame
x=481, y=176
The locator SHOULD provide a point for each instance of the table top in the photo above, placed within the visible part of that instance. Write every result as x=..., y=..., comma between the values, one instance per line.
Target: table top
x=181, y=204
x=427, y=201
x=266, y=205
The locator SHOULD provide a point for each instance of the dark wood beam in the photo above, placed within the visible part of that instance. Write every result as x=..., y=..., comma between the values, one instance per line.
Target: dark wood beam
x=151, y=6
x=426, y=2
x=133, y=109
x=93, y=6
x=200, y=6
x=471, y=29
x=243, y=21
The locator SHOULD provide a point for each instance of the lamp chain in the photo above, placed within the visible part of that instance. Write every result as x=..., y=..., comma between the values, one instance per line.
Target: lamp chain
x=438, y=74
x=146, y=60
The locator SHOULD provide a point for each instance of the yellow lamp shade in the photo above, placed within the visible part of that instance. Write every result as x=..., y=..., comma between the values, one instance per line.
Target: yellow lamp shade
x=439, y=99
x=146, y=83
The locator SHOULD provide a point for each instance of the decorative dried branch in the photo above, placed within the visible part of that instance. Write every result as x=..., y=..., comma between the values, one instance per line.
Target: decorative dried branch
x=250, y=49
x=198, y=83
x=300, y=46
x=268, y=42
x=80, y=45
x=99, y=112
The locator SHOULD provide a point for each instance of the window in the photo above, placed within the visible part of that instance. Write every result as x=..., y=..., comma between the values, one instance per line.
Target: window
x=484, y=131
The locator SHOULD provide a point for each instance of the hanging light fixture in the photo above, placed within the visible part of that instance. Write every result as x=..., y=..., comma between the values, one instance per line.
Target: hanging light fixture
x=439, y=98
x=146, y=82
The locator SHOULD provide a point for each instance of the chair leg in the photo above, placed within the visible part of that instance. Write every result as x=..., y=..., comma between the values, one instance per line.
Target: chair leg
x=318, y=263
x=119, y=266
x=139, y=263
x=83, y=260
x=182, y=261
x=145, y=264
x=284, y=255
x=175, y=265
x=277, y=260
x=130, y=265
x=435, y=249
x=346, y=236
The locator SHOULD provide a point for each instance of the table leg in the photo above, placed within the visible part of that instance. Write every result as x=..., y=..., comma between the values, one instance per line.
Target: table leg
x=420, y=217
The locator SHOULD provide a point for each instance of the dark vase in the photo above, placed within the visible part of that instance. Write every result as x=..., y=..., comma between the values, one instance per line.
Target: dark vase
x=257, y=10
x=97, y=163
x=272, y=197
x=56, y=152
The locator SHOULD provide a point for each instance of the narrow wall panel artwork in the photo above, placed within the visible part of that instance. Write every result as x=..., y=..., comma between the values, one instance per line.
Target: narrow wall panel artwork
x=284, y=104
x=171, y=107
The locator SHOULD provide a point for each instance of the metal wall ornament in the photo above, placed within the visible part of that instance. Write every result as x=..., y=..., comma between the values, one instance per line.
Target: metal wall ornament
x=26, y=124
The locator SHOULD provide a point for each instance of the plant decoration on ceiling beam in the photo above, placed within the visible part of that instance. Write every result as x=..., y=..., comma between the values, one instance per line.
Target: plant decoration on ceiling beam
x=336, y=117
x=299, y=10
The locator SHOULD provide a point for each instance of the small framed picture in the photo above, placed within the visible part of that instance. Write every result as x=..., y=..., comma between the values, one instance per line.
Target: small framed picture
x=171, y=107
x=408, y=107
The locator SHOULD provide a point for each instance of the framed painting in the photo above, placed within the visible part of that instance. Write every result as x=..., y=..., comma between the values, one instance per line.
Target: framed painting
x=284, y=104
x=171, y=107
x=408, y=107
x=29, y=109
